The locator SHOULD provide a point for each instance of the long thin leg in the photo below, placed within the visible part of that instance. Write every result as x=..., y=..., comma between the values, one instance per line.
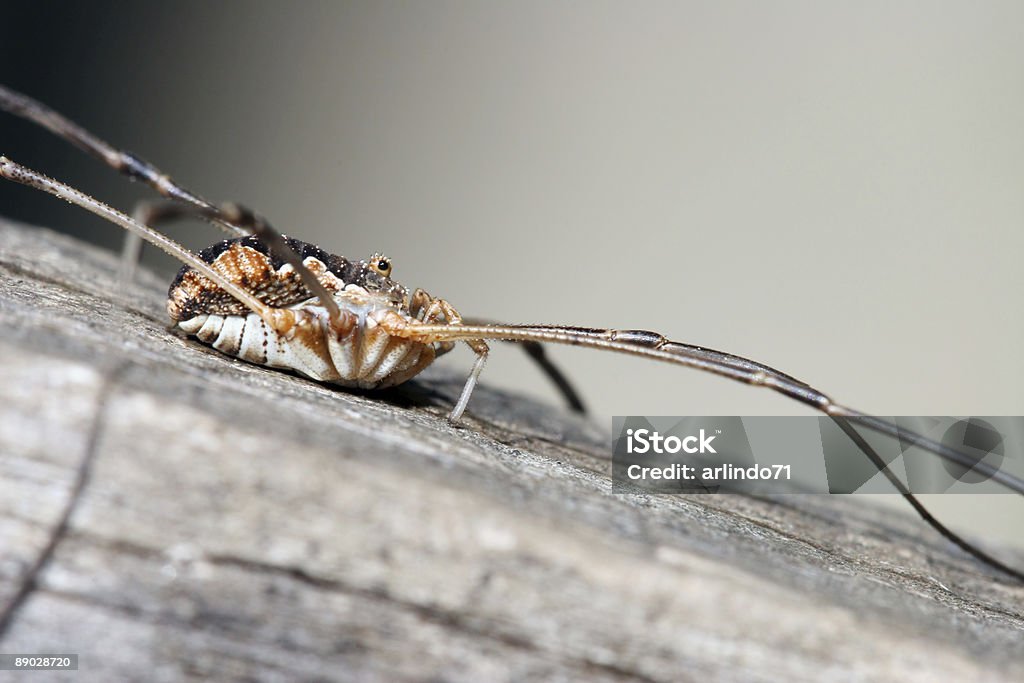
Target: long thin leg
x=467, y=389
x=921, y=510
x=151, y=214
x=420, y=302
x=120, y=160
x=137, y=168
x=655, y=346
x=538, y=354
x=233, y=218
x=278, y=319
x=131, y=255
x=439, y=310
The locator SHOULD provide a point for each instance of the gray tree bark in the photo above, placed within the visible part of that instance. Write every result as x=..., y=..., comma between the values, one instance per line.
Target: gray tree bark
x=244, y=524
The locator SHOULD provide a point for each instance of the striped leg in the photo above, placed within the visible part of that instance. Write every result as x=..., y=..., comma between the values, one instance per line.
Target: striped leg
x=281, y=320
x=120, y=160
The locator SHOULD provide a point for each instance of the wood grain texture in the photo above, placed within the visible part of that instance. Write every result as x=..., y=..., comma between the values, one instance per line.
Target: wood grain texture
x=244, y=524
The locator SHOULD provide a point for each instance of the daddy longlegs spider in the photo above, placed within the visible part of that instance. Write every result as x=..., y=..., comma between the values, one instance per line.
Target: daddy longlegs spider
x=283, y=303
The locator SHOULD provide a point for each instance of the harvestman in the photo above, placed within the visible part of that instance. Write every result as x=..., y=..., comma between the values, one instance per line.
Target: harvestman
x=279, y=302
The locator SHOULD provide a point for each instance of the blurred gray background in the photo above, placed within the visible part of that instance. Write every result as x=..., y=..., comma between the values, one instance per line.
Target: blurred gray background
x=834, y=190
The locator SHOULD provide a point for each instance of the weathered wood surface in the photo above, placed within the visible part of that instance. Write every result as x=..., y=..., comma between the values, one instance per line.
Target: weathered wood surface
x=244, y=524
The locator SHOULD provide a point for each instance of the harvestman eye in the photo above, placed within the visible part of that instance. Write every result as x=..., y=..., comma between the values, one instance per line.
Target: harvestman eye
x=381, y=264
x=319, y=326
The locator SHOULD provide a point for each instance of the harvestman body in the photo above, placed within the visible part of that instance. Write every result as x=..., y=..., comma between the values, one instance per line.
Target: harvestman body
x=282, y=303
x=360, y=347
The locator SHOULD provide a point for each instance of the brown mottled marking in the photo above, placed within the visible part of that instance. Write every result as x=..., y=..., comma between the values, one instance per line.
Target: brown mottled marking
x=194, y=294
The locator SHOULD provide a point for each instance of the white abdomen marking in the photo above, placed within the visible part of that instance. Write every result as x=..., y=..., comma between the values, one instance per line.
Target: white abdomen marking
x=367, y=358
